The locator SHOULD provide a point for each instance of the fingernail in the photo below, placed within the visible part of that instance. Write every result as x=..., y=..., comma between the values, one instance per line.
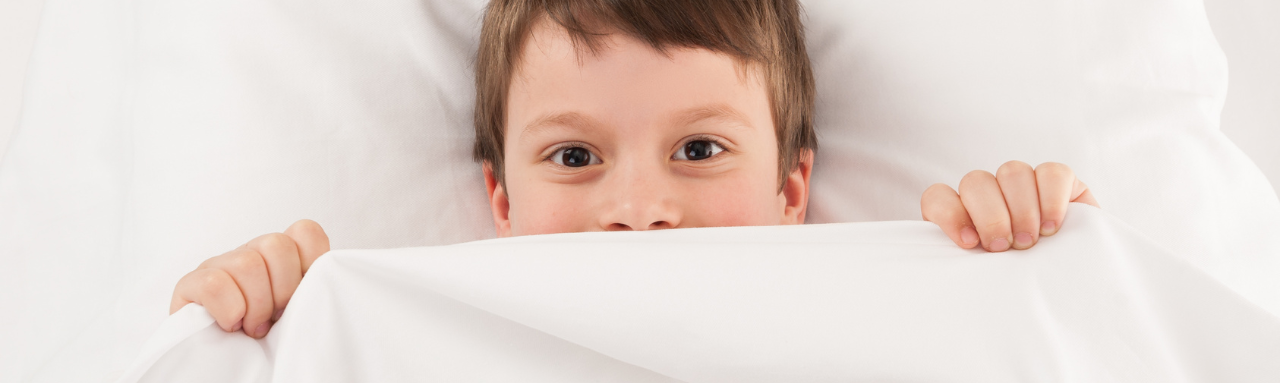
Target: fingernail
x=236, y=327
x=1022, y=241
x=1000, y=244
x=969, y=236
x=276, y=316
x=1048, y=228
x=262, y=330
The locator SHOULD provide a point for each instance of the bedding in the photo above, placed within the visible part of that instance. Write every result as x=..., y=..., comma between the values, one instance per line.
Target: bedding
x=156, y=134
x=885, y=301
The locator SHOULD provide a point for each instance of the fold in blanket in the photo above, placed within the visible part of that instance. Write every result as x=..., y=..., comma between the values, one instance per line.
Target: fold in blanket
x=887, y=301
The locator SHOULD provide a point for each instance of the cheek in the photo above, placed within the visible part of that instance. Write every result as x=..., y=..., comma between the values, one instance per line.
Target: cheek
x=745, y=200
x=546, y=209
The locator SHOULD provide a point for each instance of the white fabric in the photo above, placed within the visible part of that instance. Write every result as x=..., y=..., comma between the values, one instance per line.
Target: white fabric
x=1127, y=93
x=822, y=303
x=156, y=134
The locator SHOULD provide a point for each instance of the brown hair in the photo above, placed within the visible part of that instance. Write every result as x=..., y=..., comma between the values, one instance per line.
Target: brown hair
x=766, y=33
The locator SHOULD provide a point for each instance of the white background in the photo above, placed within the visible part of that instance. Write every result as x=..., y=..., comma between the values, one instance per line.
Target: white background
x=1248, y=30
x=18, y=21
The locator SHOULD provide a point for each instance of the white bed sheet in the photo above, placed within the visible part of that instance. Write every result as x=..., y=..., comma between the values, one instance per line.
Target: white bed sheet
x=156, y=134
x=889, y=301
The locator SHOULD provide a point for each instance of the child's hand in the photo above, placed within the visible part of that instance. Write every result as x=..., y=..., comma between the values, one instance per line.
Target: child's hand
x=1015, y=206
x=249, y=287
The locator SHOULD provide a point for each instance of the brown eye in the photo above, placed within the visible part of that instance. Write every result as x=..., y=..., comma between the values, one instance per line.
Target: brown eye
x=698, y=150
x=575, y=157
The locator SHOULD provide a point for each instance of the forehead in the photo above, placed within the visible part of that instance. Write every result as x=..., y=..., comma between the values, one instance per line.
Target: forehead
x=625, y=78
x=549, y=43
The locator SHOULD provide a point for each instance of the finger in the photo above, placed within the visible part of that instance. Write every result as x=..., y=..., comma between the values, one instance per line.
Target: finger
x=1081, y=194
x=1057, y=184
x=216, y=291
x=980, y=193
x=311, y=240
x=284, y=267
x=249, y=271
x=1018, y=184
x=941, y=205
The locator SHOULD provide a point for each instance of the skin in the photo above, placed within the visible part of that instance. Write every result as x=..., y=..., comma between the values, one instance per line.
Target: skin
x=639, y=174
x=1012, y=208
x=637, y=179
x=248, y=288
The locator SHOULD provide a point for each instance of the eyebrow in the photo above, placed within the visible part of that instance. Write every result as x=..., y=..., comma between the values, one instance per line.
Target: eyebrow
x=573, y=120
x=712, y=112
x=579, y=121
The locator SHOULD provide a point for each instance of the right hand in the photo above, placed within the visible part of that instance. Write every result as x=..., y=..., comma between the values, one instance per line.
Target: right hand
x=249, y=287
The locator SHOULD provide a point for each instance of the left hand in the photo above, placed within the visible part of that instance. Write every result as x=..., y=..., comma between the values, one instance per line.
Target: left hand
x=1011, y=208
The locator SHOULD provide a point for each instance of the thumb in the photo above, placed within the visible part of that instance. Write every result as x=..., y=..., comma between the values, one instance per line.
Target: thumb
x=311, y=239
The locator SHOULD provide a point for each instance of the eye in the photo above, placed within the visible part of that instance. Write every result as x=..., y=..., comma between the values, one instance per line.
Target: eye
x=698, y=150
x=575, y=157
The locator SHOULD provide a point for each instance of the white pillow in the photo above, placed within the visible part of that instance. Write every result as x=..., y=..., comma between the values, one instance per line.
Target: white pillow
x=156, y=134
x=1127, y=93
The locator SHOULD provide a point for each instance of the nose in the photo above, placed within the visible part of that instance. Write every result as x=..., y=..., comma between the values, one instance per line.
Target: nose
x=640, y=199
x=638, y=218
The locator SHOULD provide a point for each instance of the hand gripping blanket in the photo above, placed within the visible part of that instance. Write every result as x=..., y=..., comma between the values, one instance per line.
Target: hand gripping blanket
x=886, y=301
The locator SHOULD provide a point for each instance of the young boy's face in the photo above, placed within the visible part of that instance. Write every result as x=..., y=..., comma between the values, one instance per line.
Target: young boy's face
x=633, y=139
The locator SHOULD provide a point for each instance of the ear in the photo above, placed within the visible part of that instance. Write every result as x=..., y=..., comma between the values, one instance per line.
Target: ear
x=498, y=202
x=795, y=195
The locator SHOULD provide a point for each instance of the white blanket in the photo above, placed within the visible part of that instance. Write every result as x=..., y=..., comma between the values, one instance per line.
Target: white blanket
x=888, y=301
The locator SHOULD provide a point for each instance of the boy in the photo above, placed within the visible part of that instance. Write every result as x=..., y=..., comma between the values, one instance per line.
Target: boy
x=599, y=115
